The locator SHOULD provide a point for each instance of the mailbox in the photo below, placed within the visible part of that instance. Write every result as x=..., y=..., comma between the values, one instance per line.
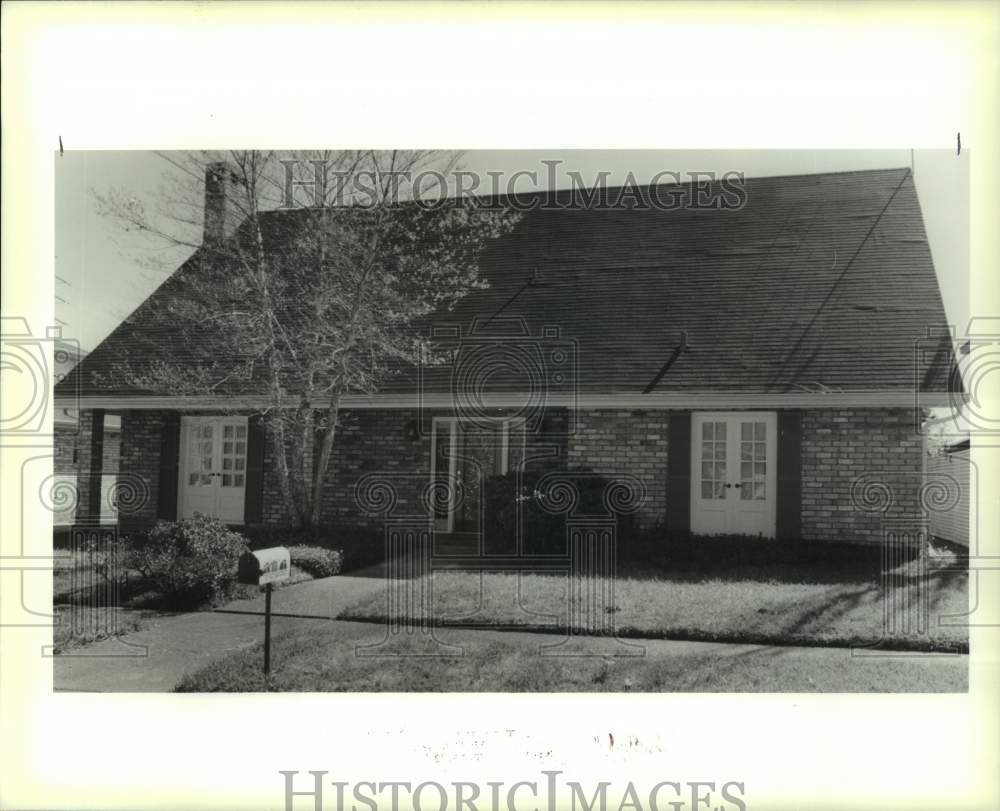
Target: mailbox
x=264, y=566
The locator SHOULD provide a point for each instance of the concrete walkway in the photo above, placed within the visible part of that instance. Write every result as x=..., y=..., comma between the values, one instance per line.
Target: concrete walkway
x=155, y=658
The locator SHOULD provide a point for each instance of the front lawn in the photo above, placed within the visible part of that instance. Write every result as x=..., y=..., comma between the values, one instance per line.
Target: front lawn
x=324, y=657
x=88, y=607
x=773, y=606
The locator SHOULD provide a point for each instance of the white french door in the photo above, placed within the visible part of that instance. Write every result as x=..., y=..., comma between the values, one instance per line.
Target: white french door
x=213, y=467
x=733, y=473
x=465, y=454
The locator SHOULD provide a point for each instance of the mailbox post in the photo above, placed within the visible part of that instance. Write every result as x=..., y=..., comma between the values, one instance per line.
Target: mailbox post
x=264, y=568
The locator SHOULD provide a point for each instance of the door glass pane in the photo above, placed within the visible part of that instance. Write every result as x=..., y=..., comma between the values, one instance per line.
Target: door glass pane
x=480, y=457
x=713, y=460
x=233, y=455
x=200, y=455
x=753, y=461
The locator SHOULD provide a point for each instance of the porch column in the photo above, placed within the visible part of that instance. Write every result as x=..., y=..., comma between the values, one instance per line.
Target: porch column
x=90, y=466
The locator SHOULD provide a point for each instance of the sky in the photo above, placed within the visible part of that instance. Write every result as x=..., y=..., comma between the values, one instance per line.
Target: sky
x=102, y=273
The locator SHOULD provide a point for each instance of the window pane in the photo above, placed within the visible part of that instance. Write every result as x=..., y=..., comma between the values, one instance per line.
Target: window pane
x=745, y=493
x=241, y=432
x=239, y=479
x=227, y=432
x=241, y=447
x=745, y=470
x=707, y=451
x=240, y=462
x=758, y=470
x=193, y=478
x=760, y=431
x=746, y=431
x=227, y=447
x=720, y=451
x=706, y=489
x=758, y=449
x=720, y=490
x=706, y=470
x=758, y=491
x=227, y=480
x=720, y=430
x=706, y=430
x=227, y=464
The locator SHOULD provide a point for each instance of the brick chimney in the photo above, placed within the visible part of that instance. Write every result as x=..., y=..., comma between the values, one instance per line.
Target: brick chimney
x=219, y=213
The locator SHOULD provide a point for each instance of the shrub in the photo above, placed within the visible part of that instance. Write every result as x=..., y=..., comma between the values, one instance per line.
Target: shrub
x=358, y=546
x=317, y=561
x=190, y=562
x=543, y=524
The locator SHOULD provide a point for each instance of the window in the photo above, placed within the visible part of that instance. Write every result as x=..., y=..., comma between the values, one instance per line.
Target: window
x=713, y=460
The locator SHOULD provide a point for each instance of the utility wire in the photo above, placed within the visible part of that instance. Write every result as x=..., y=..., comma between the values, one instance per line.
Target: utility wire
x=843, y=273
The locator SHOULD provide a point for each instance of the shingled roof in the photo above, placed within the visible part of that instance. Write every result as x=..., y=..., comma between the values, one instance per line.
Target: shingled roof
x=818, y=283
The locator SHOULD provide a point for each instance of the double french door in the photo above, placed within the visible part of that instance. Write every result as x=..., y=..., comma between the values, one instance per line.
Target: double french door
x=464, y=455
x=213, y=467
x=733, y=473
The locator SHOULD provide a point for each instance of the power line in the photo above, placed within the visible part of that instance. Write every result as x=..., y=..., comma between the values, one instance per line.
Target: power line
x=843, y=273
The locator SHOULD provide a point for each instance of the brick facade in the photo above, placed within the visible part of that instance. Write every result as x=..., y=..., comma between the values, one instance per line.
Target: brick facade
x=858, y=466
x=625, y=442
x=140, y=466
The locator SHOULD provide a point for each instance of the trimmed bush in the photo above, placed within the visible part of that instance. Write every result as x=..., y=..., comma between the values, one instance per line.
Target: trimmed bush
x=543, y=524
x=317, y=561
x=357, y=546
x=190, y=563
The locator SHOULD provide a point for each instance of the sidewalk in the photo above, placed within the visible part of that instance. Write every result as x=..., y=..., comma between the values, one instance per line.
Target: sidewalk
x=156, y=657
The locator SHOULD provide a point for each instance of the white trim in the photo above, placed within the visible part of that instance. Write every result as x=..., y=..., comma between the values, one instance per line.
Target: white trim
x=182, y=461
x=656, y=400
x=506, y=425
x=731, y=503
x=452, y=470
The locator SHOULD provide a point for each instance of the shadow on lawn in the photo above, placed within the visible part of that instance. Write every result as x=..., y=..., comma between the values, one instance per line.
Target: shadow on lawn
x=729, y=559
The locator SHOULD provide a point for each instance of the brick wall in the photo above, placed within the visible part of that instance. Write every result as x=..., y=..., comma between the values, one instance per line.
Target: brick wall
x=64, y=449
x=84, y=481
x=854, y=462
x=851, y=458
x=383, y=441
x=139, y=467
x=625, y=442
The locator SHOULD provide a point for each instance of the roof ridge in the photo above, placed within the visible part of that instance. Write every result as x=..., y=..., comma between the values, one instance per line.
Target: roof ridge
x=541, y=193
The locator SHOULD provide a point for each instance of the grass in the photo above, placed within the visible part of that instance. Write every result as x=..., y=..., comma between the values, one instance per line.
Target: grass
x=323, y=657
x=770, y=606
x=87, y=609
x=827, y=606
x=78, y=625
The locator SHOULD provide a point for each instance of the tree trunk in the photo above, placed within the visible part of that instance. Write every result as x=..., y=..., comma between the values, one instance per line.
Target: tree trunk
x=325, y=451
x=281, y=460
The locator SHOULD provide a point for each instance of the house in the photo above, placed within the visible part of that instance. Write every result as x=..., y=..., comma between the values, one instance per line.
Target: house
x=753, y=370
x=65, y=451
x=949, y=470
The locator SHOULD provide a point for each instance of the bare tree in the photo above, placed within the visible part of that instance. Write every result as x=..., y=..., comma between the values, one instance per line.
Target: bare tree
x=306, y=304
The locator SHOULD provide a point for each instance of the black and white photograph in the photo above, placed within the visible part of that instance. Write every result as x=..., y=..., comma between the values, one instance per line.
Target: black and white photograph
x=499, y=406
x=512, y=421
